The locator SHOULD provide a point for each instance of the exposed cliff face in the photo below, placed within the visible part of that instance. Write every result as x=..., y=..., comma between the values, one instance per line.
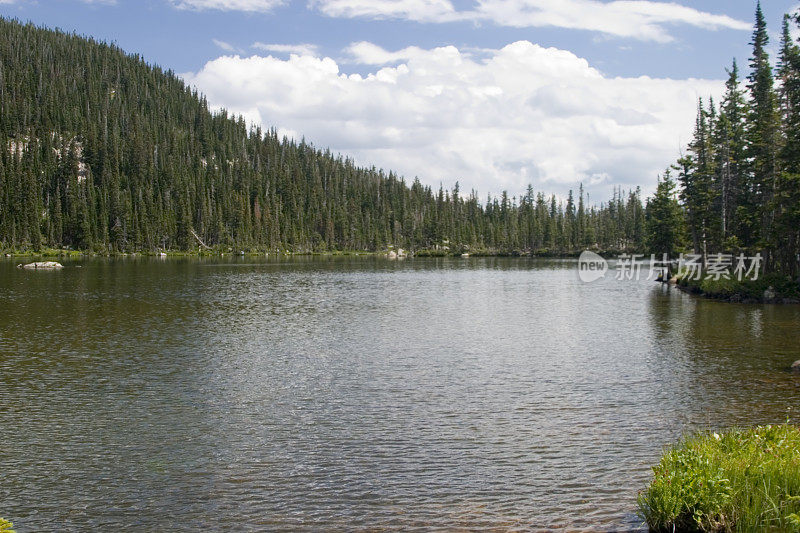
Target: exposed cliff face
x=18, y=146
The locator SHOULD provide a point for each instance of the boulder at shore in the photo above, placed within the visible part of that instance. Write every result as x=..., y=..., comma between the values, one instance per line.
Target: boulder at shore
x=46, y=265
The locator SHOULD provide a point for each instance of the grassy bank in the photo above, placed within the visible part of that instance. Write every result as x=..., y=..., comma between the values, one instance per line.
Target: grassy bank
x=771, y=288
x=742, y=481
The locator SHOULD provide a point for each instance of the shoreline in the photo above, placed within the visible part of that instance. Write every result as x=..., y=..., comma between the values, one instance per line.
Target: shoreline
x=422, y=253
x=772, y=289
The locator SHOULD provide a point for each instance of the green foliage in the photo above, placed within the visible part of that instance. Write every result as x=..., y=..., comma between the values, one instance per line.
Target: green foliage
x=100, y=151
x=740, y=180
x=6, y=526
x=783, y=286
x=664, y=219
x=743, y=480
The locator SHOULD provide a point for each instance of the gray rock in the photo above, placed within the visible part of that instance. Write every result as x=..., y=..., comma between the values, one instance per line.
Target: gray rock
x=44, y=265
x=770, y=294
x=796, y=367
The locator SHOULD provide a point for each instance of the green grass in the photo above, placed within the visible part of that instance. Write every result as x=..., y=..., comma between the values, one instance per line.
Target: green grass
x=6, y=526
x=42, y=252
x=741, y=481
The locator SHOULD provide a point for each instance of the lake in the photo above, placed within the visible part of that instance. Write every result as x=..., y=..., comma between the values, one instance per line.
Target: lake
x=243, y=394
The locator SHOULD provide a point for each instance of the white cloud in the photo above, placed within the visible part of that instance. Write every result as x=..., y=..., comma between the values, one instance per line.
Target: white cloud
x=228, y=5
x=366, y=53
x=639, y=19
x=224, y=46
x=625, y=18
x=302, y=49
x=522, y=114
x=418, y=10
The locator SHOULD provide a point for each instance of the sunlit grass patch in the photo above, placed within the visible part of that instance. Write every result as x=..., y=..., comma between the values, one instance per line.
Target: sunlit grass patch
x=742, y=480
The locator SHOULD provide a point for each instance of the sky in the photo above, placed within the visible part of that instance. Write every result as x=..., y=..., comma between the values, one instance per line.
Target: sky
x=494, y=94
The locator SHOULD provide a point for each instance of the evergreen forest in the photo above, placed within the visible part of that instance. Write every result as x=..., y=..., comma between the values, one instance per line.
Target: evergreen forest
x=106, y=153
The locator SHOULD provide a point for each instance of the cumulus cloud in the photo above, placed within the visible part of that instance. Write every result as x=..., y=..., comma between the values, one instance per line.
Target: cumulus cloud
x=522, y=114
x=228, y=5
x=303, y=49
x=639, y=19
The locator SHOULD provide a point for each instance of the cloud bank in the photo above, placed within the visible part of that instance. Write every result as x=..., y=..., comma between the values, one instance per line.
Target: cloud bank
x=522, y=114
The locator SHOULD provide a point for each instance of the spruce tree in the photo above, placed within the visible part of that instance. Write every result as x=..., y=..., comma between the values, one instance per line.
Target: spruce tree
x=664, y=219
x=762, y=136
x=785, y=236
x=729, y=141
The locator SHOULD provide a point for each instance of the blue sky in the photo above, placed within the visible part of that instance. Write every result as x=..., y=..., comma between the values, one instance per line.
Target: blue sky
x=437, y=88
x=182, y=39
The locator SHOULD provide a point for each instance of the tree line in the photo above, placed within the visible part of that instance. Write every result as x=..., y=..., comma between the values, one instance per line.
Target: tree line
x=739, y=181
x=105, y=152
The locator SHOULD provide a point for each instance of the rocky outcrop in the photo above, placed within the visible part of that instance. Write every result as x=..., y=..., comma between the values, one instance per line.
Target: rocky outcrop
x=45, y=265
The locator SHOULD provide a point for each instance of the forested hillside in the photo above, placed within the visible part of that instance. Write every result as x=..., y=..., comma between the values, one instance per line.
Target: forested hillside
x=740, y=177
x=104, y=152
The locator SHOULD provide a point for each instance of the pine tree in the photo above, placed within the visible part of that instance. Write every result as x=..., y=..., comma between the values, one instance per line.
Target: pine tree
x=762, y=146
x=785, y=237
x=697, y=180
x=729, y=140
x=664, y=219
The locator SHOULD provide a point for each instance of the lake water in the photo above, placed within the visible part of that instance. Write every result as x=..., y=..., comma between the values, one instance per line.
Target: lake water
x=358, y=393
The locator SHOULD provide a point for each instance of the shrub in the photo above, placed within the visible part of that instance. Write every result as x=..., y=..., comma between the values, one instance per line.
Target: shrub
x=783, y=286
x=744, y=480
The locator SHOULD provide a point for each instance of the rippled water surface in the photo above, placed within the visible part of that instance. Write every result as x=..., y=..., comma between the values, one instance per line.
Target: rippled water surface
x=308, y=394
